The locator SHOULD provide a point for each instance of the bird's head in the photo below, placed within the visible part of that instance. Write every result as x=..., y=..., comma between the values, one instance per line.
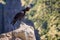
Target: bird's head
x=27, y=8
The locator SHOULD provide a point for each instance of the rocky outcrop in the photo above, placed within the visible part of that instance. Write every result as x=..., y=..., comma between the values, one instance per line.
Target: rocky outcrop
x=25, y=32
x=20, y=31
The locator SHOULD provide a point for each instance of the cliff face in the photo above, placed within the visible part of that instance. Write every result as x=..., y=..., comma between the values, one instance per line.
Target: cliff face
x=24, y=32
x=45, y=14
x=7, y=12
x=10, y=9
x=1, y=17
x=21, y=30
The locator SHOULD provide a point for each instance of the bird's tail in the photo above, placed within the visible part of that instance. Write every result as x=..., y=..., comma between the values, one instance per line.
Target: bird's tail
x=14, y=21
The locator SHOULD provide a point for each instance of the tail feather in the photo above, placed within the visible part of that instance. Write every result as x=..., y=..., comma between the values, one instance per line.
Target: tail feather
x=13, y=22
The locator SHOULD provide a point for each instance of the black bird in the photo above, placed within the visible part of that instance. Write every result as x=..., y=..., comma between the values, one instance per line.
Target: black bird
x=20, y=15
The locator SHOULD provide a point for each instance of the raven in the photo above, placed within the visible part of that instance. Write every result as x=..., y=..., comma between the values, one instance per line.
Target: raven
x=20, y=15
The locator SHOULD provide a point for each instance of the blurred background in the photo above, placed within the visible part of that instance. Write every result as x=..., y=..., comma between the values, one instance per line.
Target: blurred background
x=46, y=17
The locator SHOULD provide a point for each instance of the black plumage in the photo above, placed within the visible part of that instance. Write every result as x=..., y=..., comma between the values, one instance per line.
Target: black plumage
x=19, y=15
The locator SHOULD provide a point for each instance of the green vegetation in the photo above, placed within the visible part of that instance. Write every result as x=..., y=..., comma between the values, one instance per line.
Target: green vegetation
x=46, y=17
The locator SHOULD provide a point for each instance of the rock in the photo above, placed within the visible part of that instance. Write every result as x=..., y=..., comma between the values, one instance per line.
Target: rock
x=19, y=31
x=25, y=32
